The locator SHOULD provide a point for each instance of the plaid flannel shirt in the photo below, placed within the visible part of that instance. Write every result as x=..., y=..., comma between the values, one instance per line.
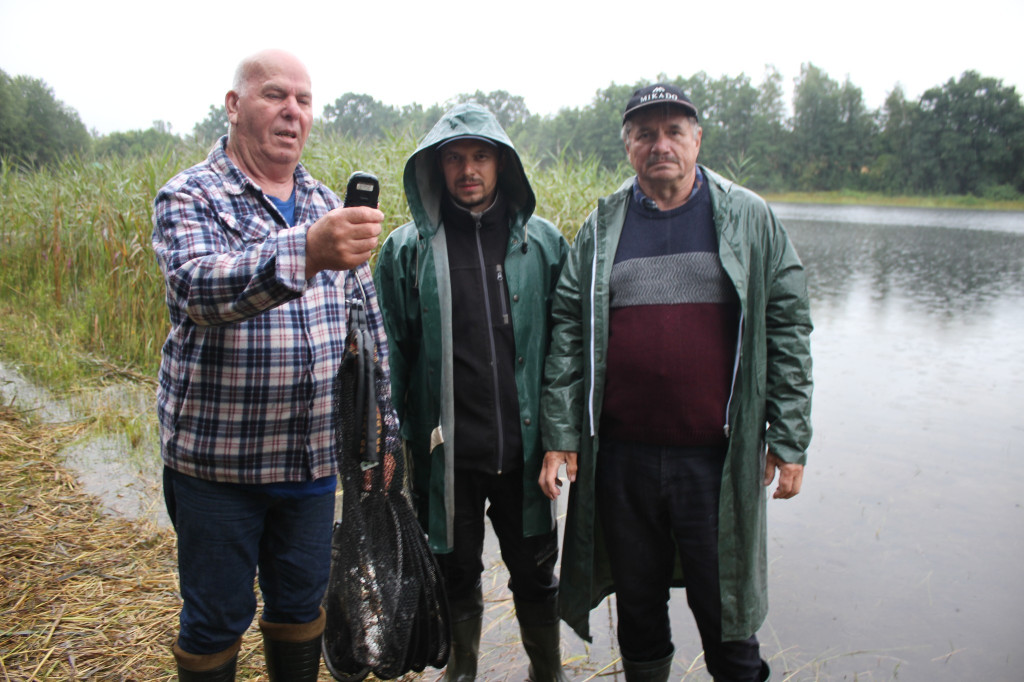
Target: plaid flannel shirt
x=247, y=371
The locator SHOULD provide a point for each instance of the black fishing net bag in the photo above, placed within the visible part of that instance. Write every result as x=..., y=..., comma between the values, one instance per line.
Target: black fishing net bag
x=385, y=602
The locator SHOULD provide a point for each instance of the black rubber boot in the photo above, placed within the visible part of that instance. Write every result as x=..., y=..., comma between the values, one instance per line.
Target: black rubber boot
x=218, y=667
x=542, y=638
x=467, y=621
x=766, y=671
x=648, y=671
x=292, y=651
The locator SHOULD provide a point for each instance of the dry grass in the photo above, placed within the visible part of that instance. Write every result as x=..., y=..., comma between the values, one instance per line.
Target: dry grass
x=83, y=595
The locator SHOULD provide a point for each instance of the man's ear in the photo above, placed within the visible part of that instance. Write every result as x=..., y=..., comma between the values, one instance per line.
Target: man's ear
x=231, y=105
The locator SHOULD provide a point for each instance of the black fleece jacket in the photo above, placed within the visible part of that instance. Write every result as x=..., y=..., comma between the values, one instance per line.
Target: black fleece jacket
x=487, y=435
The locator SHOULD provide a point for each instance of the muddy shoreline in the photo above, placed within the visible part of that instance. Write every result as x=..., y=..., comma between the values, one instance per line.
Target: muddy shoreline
x=126, y=485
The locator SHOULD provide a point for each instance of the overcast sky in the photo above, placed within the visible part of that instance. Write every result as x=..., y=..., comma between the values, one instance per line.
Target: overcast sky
x=124, y=64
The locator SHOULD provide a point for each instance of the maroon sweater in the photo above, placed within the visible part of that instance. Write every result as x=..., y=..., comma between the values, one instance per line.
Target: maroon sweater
x=673, y=327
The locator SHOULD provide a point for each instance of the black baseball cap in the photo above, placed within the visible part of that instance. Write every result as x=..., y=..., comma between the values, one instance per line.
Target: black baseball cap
x=659, y=93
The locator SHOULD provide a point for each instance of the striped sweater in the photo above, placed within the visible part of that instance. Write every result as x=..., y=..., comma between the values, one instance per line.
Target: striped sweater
x=673, y=326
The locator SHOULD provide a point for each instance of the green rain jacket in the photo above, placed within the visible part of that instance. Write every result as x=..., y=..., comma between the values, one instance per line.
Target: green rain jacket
x=770, y=403
x=413, y=288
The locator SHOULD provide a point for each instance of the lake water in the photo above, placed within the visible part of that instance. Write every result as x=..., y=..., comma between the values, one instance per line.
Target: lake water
x=903, y=556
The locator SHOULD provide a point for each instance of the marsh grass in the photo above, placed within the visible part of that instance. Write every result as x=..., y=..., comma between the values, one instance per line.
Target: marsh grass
x=85, y=595
x=80, y=290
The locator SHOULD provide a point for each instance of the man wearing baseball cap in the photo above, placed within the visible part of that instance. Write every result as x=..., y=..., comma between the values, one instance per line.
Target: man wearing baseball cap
x=465, y=290
x=678, y=383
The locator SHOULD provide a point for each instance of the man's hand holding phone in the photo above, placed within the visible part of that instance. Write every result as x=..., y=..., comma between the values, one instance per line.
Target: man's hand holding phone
x=346, y=237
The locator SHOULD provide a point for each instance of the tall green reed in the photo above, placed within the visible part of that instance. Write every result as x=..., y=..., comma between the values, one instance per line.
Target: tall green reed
x=76, y=271
x=78, y=278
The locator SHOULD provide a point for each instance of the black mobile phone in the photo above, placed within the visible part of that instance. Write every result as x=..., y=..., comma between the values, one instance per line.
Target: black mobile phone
x=363, y=190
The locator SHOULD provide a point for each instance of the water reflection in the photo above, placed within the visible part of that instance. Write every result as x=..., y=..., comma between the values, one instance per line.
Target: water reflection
x=901, y=558
x=960, y=219
x=945, y=272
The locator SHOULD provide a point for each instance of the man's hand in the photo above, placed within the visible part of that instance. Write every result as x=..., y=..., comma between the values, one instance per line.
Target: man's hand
x=343, y=239
x=553, y=461
x=791, y=476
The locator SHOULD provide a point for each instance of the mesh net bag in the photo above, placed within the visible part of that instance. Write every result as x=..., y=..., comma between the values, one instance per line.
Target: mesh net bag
x=385, y=603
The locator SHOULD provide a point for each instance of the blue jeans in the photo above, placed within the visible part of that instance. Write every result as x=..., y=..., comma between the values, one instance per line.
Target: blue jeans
x=654, y=503
x=225, y=532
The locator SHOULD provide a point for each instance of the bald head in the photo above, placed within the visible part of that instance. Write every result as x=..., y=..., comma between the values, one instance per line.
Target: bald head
x=256, y=66
x=270, y=112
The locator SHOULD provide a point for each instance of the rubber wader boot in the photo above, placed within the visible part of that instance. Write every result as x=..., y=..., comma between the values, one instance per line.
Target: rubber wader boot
x=648, y=671
x=542, y=638
x=218, y=667
x=292, y=651
x=467, y=621
x=766, y=671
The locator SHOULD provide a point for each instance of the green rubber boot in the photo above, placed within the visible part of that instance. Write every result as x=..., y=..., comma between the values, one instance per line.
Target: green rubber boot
x=648, y=671
x=467, y=621
x=540, y=628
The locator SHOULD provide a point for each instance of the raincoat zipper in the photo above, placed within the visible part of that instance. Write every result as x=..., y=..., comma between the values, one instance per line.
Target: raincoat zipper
x=735, y=372
x=500, y=272
x=490, y=339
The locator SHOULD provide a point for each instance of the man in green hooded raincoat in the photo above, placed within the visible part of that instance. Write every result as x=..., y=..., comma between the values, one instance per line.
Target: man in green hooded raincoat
x=465, y=292
x=678, y=382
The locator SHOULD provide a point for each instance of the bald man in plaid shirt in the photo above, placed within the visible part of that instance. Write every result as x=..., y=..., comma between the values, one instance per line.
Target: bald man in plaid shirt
x=261, y=263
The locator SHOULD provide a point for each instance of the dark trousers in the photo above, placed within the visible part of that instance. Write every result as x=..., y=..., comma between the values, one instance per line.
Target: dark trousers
x=655, y=502
x=225, y=531
x=530, y=561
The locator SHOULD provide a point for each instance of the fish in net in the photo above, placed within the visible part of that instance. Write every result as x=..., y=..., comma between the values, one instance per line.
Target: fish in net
x=385, y=603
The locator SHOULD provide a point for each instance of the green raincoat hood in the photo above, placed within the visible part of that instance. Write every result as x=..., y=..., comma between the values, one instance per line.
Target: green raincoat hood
x=424, y=183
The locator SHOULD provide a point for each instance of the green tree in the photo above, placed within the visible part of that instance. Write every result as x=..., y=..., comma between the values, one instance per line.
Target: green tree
x=969, y=136
x=510, y=110
x=136, y=143
x=593, y=131
x=832, y=131
x=210, y=129
x=892, y=169
x=418, y=120
x=35, y=127
x=361, y=116
x=770, y=134
x=727, y=118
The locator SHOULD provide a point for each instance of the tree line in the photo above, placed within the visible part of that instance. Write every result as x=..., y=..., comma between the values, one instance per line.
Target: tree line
x=965, y=136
